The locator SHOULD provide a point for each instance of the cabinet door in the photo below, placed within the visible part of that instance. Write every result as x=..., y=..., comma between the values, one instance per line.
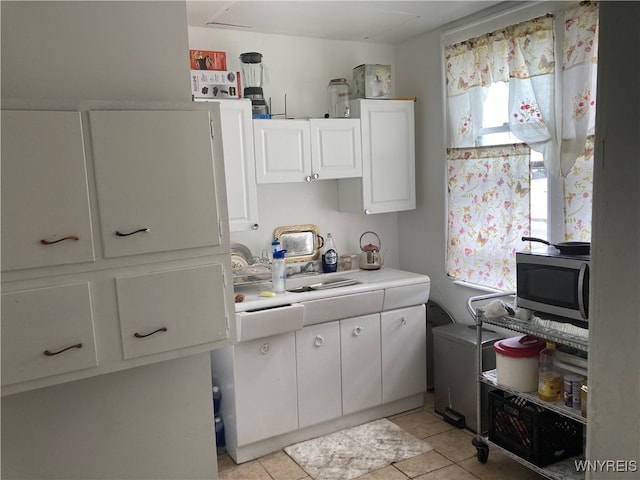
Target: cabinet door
x=239, y=164
x=388, y=159
x=155, y=176
x=361, y=363
x=283, y=151
x=47, y=331
x=267, y=403
x=404, y=353
x=171, y=309
x=44, y=190
x=336, y=148
x=319, y=380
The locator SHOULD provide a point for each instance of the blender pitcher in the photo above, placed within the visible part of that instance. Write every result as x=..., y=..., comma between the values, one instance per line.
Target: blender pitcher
x=253, y=78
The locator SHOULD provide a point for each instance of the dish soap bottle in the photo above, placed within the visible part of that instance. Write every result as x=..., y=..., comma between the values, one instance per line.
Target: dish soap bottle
x=278, y=273
x=549, y=379
x=329, y=255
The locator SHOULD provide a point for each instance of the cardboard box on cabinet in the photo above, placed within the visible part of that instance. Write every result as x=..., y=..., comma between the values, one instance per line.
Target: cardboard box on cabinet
x=215, y=84
x=207, y=60
x=372, y=81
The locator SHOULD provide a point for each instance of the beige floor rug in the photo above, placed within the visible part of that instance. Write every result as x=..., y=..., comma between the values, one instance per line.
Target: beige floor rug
x=355, y=451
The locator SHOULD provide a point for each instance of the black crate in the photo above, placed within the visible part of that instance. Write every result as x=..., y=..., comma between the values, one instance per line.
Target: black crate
x=532, y=432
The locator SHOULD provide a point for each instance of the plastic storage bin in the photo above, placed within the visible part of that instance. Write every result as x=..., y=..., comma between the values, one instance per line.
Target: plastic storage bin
x=517, y=362
x=532, y=432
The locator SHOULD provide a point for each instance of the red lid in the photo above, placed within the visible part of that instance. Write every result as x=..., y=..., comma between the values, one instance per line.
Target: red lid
x=520, y=347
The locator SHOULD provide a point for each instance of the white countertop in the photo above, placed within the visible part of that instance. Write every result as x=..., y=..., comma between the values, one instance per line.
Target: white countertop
x=368, y=280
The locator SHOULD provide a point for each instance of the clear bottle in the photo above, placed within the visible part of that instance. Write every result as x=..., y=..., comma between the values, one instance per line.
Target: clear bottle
x=217, y=396
x=221, y=446
x=278, y=272
x=550, y=385
x=329, y=255
x=338, y=93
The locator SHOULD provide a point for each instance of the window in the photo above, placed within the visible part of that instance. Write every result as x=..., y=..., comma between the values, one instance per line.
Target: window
x=514, y=169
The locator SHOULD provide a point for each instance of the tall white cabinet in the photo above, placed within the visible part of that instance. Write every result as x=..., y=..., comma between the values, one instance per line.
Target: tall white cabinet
x=115, y=241
x=388, y=159
x=239, y=164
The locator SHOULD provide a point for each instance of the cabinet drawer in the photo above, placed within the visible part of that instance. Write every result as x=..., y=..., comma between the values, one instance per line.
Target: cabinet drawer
x=406, y=296
x=344, y=306
x=272, y=321
x=39, y=323
x=171, y=309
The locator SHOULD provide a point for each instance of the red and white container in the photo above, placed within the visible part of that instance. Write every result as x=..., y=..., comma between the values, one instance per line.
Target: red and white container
x=517, y=362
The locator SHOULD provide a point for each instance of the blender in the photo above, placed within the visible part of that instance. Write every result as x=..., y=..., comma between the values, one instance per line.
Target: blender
x=253, y=75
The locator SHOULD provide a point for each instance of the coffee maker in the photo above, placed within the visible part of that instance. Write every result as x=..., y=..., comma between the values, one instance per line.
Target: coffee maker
x=253, y=79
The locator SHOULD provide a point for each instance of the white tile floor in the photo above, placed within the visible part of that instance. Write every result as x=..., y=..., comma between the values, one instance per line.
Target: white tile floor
x=453, y=457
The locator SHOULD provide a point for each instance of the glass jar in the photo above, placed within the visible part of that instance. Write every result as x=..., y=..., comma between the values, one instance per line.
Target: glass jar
x=338, y=93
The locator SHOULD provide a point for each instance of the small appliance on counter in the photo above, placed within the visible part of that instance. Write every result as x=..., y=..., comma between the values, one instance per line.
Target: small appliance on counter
x=370, y=258
x=253, y=80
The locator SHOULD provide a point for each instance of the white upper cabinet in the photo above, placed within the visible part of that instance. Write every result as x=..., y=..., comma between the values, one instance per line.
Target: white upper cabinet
x=307, y=150
x=283, y=150
x=239, y=164
x=155, y=180
x=45, y=199
x=388, y=159
x=336, y=150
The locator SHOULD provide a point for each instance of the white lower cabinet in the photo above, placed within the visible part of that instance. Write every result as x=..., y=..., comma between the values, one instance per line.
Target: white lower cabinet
x=319, y=379
x=404, y=350
x=338, y=368
x=361, y=363
x=265, y=390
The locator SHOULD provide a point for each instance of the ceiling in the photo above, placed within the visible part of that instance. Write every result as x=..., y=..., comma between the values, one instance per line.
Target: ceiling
x=355, y=20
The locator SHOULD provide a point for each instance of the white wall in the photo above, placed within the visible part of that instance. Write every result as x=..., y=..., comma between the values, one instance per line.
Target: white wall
x=301, y=68
x=148, y=422
x=614, y=348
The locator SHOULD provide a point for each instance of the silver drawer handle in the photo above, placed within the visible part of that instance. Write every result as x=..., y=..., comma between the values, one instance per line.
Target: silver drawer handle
x=357, y=331
x=319, y=341
x=265, y=348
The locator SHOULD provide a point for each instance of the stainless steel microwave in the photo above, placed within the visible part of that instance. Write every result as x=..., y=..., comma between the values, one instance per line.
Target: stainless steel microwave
x=554, y=283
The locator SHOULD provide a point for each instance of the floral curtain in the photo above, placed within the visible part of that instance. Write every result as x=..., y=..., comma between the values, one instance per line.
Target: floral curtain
x=532, y=87
x=578, y=196
x=523, y=55
x=489, y=204
x=579, y=74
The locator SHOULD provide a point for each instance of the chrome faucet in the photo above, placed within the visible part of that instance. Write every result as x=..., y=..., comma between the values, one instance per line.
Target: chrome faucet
x=309, y=267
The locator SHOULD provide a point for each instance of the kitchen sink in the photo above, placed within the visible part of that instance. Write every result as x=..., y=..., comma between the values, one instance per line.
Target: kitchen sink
x=327, y=284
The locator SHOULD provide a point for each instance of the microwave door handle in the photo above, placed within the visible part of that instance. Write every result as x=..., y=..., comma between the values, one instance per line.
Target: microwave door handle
x=583, y=271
